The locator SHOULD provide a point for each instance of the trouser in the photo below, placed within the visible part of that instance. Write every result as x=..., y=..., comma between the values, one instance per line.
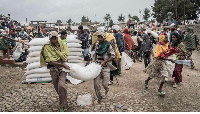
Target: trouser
x=189, y=57
x=58, y=77
x=147, y=58
x=85, y=53
x=105, y=76
x=119, y=65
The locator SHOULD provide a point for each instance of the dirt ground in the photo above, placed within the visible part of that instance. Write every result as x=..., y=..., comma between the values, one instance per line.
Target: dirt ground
x=129, y=95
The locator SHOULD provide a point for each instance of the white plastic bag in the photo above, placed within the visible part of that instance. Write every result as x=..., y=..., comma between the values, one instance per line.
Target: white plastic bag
x=126, y=61
x=87, y=73
x=71, y=37
x=84, y=100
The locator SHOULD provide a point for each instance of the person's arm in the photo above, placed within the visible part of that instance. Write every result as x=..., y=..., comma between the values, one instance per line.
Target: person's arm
x=111, y=53
x=57, y=64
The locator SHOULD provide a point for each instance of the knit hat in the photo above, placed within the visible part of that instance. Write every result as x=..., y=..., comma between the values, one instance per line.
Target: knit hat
x=53, y=33
x=116, y=27
x=102, y=33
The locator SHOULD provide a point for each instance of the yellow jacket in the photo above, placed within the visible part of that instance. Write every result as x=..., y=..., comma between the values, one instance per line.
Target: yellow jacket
x=50, y=53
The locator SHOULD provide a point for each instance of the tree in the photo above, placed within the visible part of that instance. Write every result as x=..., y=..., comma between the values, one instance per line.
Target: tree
x=146, y=14
x=58, y=22
x=69, y=22
x=162, y=7
x=121, y=18
x=133, y=17
x=107, y=17
x=111, y=23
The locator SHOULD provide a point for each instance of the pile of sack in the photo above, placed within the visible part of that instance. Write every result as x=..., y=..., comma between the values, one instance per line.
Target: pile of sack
x=75, y=50
x=36, y=73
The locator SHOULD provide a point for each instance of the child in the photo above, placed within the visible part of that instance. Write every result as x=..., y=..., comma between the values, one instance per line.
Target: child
x=178, y=69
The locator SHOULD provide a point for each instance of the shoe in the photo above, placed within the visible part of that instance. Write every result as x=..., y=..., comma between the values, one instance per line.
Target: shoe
x=62, y=109
x=106, y=92
x=161, y=94
x=175, y=85
x=146, y=85
x=110, y=82
x=99, y=100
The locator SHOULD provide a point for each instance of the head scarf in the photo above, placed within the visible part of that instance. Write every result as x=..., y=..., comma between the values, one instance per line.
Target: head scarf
x=161, y=46
x=175, y=43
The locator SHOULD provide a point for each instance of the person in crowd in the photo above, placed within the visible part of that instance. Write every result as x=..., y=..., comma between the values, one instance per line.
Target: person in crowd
x=158, y=68
x=54, y=54
x=147, y=47
x=172, y=32
x=176, y=43
x=63, y=37
x=191, y=42
x=129, y=44
x=104, y=54
x=120, y=43
x=83, y=36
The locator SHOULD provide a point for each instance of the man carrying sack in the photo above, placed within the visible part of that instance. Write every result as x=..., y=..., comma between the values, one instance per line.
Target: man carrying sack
x=55, y=54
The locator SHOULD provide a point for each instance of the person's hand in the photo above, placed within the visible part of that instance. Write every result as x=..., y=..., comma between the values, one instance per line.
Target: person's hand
x=66, y=66
x=103, y=63
x=172, y=61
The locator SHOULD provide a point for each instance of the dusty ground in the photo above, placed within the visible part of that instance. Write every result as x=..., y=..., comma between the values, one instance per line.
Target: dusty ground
x=130, y=93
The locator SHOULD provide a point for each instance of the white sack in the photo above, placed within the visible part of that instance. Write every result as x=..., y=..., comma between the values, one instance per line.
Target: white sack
x=37, y=71
x=75, y=61
x=74, y=41
x=74, y=58
x=33, y=65
x=39, y=80
x=89, y=72
x=74, y=45
x=35, y=48
x=75, y=49
x=74, y=81
x=71, y=37
x=38, y=41
x=34, y=54
x=41, y=75
x=32, y=59
x=155, y=35
x=75, y=54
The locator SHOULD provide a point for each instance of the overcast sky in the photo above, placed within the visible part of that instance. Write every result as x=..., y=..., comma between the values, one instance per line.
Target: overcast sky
x=52, y=10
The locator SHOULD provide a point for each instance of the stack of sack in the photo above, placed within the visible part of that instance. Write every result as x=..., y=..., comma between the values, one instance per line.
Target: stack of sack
x=75, y=50
x=36, y=73
x=75, y=55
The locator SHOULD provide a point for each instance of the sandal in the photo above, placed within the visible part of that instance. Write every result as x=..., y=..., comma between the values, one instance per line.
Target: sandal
x=62, y=109
x=146, y=85
x=161, y=93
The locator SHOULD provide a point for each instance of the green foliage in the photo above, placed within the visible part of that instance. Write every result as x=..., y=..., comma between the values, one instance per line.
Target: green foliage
x=69, y=22
x=133, y=17
x=111, y=23
x=146, y=14
x=107, y=18
x=85, y=19
x=121, y=18
x=162, y=7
